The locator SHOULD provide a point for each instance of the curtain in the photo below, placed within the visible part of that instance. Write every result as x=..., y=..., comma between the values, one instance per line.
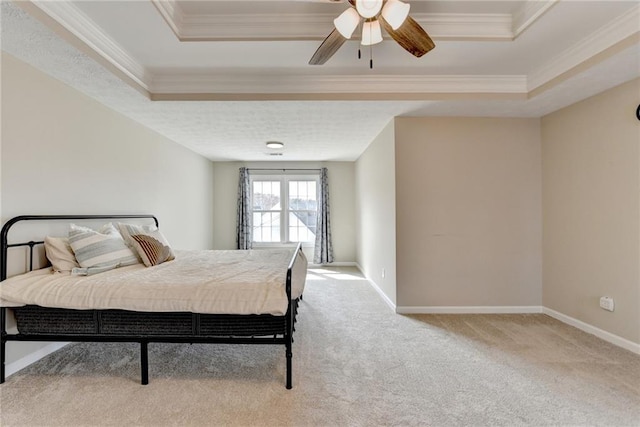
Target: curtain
x=323, y=253
x=243, y=223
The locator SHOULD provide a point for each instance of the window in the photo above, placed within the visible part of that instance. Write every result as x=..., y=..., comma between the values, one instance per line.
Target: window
x=284, y=208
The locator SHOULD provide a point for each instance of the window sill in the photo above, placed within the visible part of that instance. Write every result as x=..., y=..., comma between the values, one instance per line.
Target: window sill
x=263, y=245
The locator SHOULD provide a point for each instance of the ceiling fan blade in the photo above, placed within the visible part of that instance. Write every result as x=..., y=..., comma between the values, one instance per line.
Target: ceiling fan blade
x=329, y=46
x=411, y=36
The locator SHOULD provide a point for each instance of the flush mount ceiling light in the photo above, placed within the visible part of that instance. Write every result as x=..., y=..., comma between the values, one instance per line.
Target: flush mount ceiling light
x=275, y=144
x=392, y=15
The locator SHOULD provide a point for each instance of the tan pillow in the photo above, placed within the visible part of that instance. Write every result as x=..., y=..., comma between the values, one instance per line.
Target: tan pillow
x=148, y=242
x=152, y=248
x=60, y=254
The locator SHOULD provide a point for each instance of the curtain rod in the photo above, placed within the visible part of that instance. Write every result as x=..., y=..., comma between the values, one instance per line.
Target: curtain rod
x=281, y=169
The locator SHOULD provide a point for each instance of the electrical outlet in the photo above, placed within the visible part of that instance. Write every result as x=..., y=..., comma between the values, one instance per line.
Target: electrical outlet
x=607, y=303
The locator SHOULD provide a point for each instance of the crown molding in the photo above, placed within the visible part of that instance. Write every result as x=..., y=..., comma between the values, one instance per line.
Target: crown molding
x=265, y=27
x=530, y=12
x=84, y=29
x=616, y=32
x=273, y=27
x=172, y=14
x=466, y=26
x=304, y=27
x=342, y=84
x=64, y=18
x=269, y=27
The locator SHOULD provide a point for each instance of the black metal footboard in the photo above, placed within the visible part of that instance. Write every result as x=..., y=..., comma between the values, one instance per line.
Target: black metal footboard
x=66, y=325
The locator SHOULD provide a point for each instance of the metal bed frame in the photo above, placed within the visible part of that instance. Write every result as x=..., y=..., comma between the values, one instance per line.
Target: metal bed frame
x=139, y=327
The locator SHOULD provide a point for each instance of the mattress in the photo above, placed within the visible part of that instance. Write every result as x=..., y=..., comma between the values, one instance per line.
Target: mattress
x=213, y=282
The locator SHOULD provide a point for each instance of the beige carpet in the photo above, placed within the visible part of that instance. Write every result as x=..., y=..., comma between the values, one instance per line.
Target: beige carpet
x=355, y=363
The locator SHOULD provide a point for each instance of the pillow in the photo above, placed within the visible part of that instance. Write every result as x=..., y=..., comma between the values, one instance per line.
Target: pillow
x=60, y=254
x=149, y=243
x=127, y=230
x=100, y=249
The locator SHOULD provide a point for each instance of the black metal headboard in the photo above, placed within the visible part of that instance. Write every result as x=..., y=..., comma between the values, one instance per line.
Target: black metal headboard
x=5, y=232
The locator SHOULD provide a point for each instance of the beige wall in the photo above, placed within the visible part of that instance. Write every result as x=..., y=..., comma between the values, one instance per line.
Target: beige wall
x=468, y=208
x=63, y=152
x=591, y=184
x=342, y=203
x=225, y=194
x=376, y=212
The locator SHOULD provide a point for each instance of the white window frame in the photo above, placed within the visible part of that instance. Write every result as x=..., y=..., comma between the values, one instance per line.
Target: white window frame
x=284, y=179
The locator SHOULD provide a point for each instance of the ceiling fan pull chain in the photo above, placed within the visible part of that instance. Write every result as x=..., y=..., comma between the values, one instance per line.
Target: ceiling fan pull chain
x=370, y=57
x=360, y=31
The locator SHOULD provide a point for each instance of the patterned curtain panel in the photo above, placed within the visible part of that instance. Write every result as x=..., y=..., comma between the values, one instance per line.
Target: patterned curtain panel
x=243, y=223
x=323, y=253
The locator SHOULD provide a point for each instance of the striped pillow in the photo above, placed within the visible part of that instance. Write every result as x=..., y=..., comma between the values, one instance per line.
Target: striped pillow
x=128, y=230
x=100, y=249
x=149, y=243
x=153, y=248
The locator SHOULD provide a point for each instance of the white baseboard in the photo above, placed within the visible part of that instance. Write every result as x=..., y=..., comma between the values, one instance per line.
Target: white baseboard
x=13, y=367
x=334, y=264
x=22, y=363
x=607, y=336
x=384, y=296
x=375, y=286
x=499, y=309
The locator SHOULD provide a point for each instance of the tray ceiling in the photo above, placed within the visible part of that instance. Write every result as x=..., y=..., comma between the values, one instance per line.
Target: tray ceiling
x=223, y=77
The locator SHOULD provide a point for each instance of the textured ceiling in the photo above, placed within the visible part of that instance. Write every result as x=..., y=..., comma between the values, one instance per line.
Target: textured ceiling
x=315, y=129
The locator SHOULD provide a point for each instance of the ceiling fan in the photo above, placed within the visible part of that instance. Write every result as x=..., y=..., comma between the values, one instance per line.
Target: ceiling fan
x=392, y=15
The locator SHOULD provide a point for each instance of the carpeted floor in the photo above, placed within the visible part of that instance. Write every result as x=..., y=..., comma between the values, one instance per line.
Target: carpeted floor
x=355, y=363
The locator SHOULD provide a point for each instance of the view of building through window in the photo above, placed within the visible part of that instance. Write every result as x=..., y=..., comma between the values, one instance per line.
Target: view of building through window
x=284, y=208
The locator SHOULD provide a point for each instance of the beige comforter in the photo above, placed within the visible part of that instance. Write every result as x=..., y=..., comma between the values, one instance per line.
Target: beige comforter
x=221, y=282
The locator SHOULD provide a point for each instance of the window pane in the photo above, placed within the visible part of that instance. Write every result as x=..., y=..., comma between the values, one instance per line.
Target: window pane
x=313, y=205
x=302, y=211
x=302, y=195
x=266, y=195
x=266, y=226
x=293, y=234
x=275, y=231
x=302, y=226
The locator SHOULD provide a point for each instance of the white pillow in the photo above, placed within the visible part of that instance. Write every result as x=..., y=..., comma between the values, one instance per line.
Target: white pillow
x=100, y=249
x=60, y=254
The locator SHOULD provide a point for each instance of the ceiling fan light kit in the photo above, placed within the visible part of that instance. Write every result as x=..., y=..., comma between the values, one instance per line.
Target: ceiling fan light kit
x=368, y=8
x=371, y=33
x=393, y=15
x=347, y=22
x=395, y=12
